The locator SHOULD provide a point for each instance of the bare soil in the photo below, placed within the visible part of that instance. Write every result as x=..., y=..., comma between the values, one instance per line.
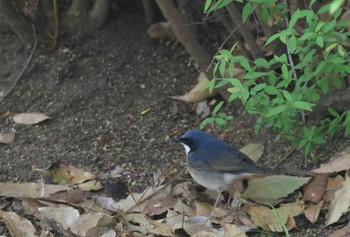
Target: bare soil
x=107, y=94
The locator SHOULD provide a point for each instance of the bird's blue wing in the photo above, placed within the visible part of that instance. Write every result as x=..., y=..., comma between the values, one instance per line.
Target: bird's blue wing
x=222, y=157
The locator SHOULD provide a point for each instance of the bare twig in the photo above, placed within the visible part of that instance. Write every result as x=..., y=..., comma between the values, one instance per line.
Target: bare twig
x=222, y=45
x=23, y=69
x=292, y=65
x=56, y=24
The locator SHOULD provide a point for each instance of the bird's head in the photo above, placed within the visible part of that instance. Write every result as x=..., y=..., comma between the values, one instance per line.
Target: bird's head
x=192, y=139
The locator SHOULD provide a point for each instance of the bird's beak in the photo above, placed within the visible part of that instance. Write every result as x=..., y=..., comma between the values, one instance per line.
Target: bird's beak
x=178, y=139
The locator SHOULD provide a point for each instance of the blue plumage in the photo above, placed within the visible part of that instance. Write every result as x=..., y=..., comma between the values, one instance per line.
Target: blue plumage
x=214, y=163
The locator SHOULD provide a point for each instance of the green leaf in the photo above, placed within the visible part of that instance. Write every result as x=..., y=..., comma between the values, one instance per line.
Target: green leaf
x=287, y=95
x=319, y=41
x=244, y=62
x=206, y=121
x=273, y=187
x=303, y=105
x=306, y=36
x=319, y=140
x=253, y=75
x=292, y=43
x=283, y=37
x=231, y=69
x=247, y=10
x=323, y=9
x=257, y=126
x=272, y=38
x=333, y=112
x=218, y=107
x=262, y=62
x=211, y=85
x=341, y=50
x=281, y=59
x=335, y=5
x=319, y=26
x=271, y=90
x=233, y=96
x=220, y=121
x=277, y=110
x=302, y=143
x=347, y=123
x=224, y=3
x=259, y=87
x=207, y=5
x=297, y=15
x=308, y=148
x=222, y=83
x=214, y=6
x=333, y=127
x=285, y=71
x=330, y=47
x=222, y=68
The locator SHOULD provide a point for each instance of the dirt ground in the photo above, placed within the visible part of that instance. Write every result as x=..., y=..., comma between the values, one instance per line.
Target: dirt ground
x=97, y=89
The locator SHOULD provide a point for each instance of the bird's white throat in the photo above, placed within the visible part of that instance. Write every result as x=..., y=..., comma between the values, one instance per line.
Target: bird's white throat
x=187, y=148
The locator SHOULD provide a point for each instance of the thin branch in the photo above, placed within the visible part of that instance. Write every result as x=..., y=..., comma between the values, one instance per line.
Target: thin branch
x=24, y=68
x=56, y=26
x=222, y=45
x=292, y=65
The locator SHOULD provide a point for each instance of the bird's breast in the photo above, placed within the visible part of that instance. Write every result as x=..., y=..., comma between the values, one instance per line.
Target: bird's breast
x=213, y=180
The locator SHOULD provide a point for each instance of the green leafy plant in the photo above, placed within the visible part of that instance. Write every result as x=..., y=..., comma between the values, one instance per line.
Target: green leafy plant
x=282, y=89
x=220, y=119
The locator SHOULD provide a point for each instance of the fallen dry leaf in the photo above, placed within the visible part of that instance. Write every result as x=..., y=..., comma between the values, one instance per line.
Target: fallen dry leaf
x=140, y=223
x=18, y=225
x=185, y=209
x=204, y=233
x=67, y=174
x=338, y=164
x=7, y=137
x=316, y=189
x=203, y=208
x=109, y=233
x=273, y=187
x=31, y=205
x=340, y=204
x=161, y=30
x=269, y=219
x=159, y=205
x=175, y=219
x=135, y=201
x=334, y=183
x=92, y=224
x=197, y=93
x=72, y=196
x=30, y=190
x=30, y=118
x=312, y=211
x=253, y=150
x=91, y=185
x=196, y=224
x=343, y=232
x=63, y=215
x=233, y=230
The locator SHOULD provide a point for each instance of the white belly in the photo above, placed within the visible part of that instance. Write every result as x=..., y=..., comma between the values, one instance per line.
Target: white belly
x=212, y=180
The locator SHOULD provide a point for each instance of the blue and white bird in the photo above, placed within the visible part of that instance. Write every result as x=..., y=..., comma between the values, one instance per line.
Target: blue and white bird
x=214, y=163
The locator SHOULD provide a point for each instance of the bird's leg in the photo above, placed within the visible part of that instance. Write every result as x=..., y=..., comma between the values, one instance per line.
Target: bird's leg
x=215, y=204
